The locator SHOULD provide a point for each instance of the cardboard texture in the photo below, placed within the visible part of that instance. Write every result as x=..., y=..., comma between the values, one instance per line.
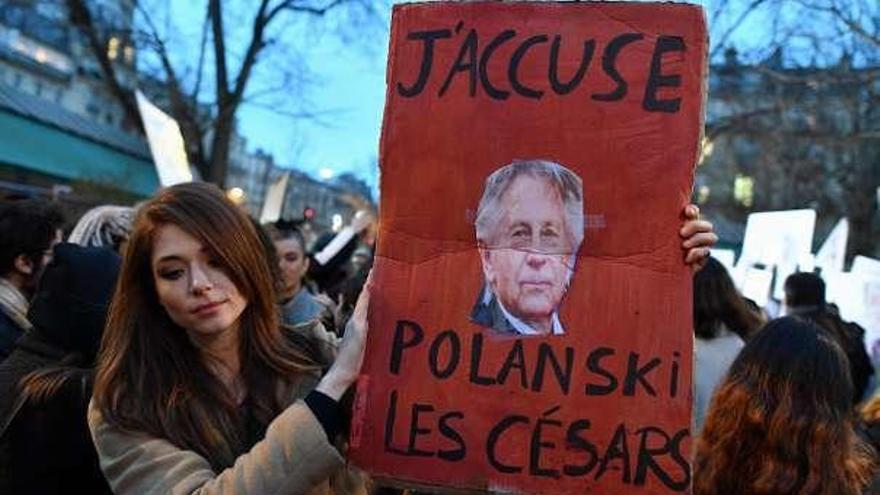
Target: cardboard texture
x=603, y=404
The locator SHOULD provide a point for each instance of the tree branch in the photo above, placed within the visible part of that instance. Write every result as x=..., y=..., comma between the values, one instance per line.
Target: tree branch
x=261, y=20
x=308, y=9
x=216, y=15
x=733, y=27
x=194, y=95
x=184, y=112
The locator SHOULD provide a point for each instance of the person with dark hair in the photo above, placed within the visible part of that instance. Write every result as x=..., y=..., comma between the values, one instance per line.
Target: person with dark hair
x=722, y=323
x=805, y=297
x=198, y=387
x=298, y=305
x=804, y=292
x=782, y=420
x=28, y=231
x=46, y=383
x=271, y=255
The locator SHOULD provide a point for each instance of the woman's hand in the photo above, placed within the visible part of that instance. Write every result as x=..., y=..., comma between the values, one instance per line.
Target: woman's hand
x=699, y=237
x=348, y=361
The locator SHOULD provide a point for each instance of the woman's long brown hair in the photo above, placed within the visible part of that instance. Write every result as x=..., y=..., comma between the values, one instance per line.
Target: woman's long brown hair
x=782, y=421
x=150, y=378
x=718, y=304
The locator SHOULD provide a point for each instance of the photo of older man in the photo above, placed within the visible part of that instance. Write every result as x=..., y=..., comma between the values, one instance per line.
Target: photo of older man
x=529, y=226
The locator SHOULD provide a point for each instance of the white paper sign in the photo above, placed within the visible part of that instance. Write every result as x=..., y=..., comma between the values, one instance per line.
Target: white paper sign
x=726, y=257
x=756, y=285
x=274, y=201
x=871, y=316
x=857, y=295
x=831, y=255
x=778, y=237
x=783, y=271
x=866, y=266
x=166, y=143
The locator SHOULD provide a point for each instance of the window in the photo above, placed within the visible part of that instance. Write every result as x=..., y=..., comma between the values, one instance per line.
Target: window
x=744, y=190
x=113, y=48
x=129, y=54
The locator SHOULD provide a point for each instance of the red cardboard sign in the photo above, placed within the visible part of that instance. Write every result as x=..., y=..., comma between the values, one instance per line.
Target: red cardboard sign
x=530, y=330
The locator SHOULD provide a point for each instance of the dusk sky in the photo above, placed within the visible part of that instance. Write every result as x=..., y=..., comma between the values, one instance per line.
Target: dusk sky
x=345, y=89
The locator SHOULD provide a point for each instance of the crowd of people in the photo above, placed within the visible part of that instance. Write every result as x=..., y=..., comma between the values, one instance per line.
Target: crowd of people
x=181, y=347
x=781, y=406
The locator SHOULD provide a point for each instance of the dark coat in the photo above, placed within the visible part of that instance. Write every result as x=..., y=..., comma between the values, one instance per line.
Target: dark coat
x=45, y=445
x=851, y=338
x=9, y=334
x=50, y=450
x=488, y=314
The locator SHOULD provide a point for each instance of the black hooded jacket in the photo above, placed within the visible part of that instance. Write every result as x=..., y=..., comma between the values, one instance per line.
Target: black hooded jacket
x=45, y=446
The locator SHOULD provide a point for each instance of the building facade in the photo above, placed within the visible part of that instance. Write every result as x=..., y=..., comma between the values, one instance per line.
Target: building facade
x=781, y=136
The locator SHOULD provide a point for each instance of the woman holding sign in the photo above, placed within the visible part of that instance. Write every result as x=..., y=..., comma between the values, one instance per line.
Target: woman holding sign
x=198, y=388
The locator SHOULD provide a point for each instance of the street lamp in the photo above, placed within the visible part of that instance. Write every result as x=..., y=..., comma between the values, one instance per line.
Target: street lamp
x=236, y=195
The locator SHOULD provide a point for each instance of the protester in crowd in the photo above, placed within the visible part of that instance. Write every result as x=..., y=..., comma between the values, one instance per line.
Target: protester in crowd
x=805, y=297
x=722, y=323
x=46, y=383
x=330, y=266
x=271, y=256
x=197, y=386
x=103, y=226
x=298, y=304
x=359, y=267
x=28, y=231
x=782, y=420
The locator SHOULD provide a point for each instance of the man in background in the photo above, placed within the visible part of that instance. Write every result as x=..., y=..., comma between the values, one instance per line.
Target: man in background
x=29, y=229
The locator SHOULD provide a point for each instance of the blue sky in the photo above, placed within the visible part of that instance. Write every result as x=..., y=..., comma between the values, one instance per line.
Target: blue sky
x=345, y=86
x=347, y=94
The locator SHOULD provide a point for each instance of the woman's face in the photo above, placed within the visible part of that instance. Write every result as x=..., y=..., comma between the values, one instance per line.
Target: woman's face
x=293, y=264
x=192, y=285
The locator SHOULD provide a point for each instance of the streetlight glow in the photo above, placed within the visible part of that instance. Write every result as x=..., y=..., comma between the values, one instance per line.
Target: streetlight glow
x=236, y=195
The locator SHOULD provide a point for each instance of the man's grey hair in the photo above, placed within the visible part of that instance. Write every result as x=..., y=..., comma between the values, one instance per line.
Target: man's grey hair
x=568, y=185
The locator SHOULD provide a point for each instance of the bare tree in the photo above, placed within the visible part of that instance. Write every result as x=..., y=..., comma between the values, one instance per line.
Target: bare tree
x=220, y=66
x=799, y=110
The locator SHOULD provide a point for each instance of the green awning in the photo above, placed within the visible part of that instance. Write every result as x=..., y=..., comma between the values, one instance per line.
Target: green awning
x=42, y=148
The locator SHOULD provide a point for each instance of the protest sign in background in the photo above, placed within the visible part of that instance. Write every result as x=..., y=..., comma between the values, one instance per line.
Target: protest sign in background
x=612, y=91
x=166, y=143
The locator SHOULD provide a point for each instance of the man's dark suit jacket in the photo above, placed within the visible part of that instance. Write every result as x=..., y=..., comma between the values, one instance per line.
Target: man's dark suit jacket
x=490, y=315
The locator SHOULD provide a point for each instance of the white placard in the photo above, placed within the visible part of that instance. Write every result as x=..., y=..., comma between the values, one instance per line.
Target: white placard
x=274, y=201
x=756, y=285
x=857, y=296
x=866, y=266
x=778, y=237
x=831, y=255
x=782, y=272
x=166, y=143
x=726, y=257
